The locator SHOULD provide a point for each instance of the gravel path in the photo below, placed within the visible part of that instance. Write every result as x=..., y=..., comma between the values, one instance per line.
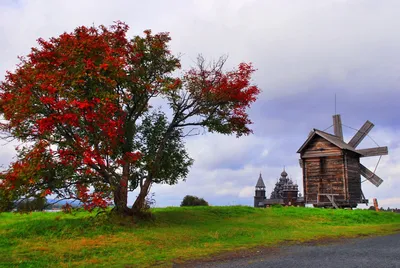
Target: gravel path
x=376, y=252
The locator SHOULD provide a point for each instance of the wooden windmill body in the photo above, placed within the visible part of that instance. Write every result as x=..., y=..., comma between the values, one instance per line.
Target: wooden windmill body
x=331, y=167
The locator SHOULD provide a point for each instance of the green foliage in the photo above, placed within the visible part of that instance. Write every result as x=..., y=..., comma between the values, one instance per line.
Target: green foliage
x=175, y=234
x=191, y=200
x=174, y=161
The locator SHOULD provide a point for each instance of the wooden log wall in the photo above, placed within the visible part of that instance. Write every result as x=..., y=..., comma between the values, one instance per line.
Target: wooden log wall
x=323, y=171
x=354, y=178
x=324, y=180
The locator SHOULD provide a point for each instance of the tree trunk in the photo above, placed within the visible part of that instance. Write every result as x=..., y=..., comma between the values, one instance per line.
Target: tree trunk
x=144, y=189
x=121, y=193
x=140, y=200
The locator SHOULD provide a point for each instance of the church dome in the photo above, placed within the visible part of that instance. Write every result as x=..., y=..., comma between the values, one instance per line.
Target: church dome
x=284, y=174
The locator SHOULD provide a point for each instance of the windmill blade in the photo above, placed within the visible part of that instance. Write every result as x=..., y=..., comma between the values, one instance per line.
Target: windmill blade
x=376, y=151
x=369, y=175
x=360, y=135
x=337, y=126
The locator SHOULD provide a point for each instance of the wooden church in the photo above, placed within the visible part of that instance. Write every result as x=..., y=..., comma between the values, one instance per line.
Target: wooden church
x=331, y=167
x=285, y=193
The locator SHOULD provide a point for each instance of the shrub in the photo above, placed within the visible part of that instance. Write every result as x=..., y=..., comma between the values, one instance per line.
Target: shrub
x=190, y=200
x=67, y=208
x=149, y=202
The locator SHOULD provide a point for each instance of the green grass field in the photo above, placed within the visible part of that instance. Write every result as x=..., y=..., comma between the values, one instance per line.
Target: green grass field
x=175, y=235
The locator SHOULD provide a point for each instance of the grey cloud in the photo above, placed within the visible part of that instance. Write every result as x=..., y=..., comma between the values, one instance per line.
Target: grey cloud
x=305, y=52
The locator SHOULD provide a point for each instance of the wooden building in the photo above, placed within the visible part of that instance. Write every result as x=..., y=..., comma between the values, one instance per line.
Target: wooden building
x=332, y=169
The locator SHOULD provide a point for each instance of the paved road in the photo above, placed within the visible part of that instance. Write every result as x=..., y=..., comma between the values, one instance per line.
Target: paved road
x=376, y=252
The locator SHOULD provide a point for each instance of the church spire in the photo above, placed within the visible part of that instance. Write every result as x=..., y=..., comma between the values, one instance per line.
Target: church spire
x=260, y=182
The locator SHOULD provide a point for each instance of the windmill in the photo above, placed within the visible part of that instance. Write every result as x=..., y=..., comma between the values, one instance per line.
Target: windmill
x=331, y=167
x=355, y=141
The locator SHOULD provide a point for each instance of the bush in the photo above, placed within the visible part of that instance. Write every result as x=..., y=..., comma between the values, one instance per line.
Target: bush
x=190, y=200
x=149, y=202
x=67, y=208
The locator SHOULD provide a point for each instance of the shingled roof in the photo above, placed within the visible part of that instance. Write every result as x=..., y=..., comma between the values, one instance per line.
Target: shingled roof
x=260, y=182
x=329, y=137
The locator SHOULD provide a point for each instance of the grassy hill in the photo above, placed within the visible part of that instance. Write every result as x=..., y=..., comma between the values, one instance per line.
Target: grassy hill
x=175, y=235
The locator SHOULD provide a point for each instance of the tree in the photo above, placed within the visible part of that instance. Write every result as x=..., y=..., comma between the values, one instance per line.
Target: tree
x=80, y=107
x=191, y=200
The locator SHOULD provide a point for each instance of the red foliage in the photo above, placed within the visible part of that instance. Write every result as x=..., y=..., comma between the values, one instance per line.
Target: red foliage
x=91, y=200
x=229, y=94
x=65, y=93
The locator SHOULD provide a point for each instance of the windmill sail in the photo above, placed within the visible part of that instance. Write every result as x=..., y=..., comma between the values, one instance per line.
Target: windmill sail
x=369, y=175
x=337, y=126
x=377, y=151
x=360, y=135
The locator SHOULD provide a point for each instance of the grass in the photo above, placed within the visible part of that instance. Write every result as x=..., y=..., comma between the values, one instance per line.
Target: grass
x=175, y=235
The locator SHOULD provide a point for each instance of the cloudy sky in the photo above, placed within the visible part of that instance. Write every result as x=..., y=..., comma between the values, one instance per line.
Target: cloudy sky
x=305, y=52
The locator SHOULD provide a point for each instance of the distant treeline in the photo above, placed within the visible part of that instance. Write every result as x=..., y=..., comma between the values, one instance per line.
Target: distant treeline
x=37, y=204
x=27, y=205
x=396, y=210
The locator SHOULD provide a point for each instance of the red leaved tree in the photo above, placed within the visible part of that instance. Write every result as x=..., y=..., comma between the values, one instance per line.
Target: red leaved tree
x=79, y=106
